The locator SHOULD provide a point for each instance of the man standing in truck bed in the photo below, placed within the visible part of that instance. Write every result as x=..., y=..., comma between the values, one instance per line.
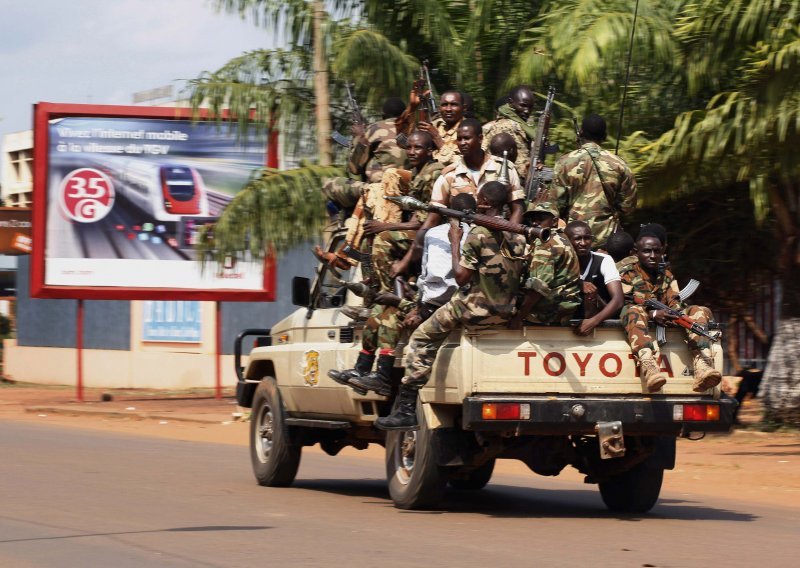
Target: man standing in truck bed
x=641, y=280
x=488, y=272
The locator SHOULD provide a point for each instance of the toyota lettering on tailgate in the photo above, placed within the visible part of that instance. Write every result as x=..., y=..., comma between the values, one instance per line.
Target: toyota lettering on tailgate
x=554, y=363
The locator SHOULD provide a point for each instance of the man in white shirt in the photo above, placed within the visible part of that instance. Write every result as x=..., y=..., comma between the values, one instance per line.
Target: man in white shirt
x=602, y=288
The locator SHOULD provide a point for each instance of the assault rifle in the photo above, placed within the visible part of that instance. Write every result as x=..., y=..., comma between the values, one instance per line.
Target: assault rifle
x=495, y=223
x=429, y=99
x=356, y=117
x=424, y=90
x=681, y=319
x=539, y=147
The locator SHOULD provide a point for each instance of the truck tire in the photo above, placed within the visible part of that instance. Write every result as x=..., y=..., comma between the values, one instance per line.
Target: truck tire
x=634, y=491
x=415, y=480
x=275, y=459
x=473, y=480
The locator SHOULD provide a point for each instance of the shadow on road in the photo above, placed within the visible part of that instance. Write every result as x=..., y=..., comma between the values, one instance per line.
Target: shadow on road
x=506, y=501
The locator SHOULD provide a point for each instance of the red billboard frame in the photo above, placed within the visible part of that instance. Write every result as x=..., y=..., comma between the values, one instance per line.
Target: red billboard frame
x=44, y=112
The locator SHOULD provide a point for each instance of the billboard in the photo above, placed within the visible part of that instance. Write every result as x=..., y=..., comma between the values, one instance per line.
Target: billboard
x=15, y=230
x=119, y=195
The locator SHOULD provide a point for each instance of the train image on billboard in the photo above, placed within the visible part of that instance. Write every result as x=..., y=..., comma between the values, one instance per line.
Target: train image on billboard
x=165, y=191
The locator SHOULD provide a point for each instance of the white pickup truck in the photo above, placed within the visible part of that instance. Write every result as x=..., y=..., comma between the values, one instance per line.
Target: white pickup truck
x=541, y=395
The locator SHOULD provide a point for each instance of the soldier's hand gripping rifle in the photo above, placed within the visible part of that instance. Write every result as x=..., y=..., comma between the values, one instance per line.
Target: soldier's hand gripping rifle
x=540, y=146
x=680, y=319
x=495, y=223
x=356, y=117
x=423, y=111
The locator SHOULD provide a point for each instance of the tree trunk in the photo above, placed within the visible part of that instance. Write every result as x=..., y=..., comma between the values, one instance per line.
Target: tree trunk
x=782, y=376
x=321, y=95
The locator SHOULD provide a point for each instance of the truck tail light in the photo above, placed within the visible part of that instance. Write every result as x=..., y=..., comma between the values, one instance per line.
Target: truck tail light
x=695, y=412
x=506, y=411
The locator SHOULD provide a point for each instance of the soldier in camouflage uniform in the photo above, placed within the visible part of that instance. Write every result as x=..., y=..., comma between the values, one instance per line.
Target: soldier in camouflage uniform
x=552, y=286
x=470, y=171
x=513, y=120
x=391, y=242
x=444, y=128
x=373, y=150
x=593, y=185
x=642, y=280
x=488, y=272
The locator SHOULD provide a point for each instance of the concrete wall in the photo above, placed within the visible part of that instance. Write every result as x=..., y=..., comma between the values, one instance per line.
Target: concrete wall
x=115, y=353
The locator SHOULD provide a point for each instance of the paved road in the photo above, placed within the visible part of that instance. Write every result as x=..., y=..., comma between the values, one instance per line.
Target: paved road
x=71, y=497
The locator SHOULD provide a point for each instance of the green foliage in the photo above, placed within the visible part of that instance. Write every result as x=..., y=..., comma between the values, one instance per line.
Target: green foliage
x=274, y=212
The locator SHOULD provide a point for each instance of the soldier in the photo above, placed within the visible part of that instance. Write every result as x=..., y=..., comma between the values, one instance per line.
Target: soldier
x=504, y=142
x=471, y=171
x=373, y=150
x=392, y=240
x=443, y=129
x=641, y=280
x=513, y=120
x=436, y=285
x=619, y=245
x=552, y=286
x=487, y=273
x=593, y=185
x=602, y=289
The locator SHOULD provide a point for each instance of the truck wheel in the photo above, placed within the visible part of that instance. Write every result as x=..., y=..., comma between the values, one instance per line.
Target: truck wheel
x=473, y=480
x=635, y=491
x=275, y=459
x=415, y=480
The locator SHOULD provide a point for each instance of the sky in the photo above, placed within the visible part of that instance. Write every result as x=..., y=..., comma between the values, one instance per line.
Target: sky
x=103, y=51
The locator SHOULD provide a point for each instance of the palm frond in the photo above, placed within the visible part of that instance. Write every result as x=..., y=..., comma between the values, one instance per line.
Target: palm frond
x=273, y=212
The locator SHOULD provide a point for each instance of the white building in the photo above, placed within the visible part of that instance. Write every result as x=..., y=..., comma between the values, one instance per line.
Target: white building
x=17, y=168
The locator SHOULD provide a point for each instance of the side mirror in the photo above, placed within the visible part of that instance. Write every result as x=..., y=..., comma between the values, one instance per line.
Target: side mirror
x=301, y=291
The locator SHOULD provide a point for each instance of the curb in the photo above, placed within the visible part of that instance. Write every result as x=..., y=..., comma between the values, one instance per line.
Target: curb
x=126, y=414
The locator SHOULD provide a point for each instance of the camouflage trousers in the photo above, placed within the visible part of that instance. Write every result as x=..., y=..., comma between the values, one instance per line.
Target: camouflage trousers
x=425, y=342
x=343, y=191
x=635, y=319
x=383, y=329
x=387, y=247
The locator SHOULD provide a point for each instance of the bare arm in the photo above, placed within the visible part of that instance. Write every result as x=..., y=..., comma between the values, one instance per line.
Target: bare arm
x=610, y=310
x=530, y=299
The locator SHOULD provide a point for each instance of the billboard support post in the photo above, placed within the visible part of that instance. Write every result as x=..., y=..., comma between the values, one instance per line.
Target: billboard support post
x=218, y=351
x=79, y=349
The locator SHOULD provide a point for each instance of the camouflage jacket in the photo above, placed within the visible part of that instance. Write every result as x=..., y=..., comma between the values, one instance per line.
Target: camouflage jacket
x=449, y=152
x=494, y=127
x=638, y=284
x=578, y=194
x=554, y=273
x=456, y=178
x=497, y=267
x=421, y=185
x=380, y=152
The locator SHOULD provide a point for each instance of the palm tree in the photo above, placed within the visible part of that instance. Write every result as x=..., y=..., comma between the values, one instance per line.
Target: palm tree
x=748, y=55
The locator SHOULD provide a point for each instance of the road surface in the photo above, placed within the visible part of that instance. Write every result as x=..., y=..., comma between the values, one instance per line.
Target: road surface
x=75, y=497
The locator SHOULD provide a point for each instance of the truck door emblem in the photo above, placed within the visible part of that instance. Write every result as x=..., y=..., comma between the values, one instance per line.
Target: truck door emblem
x=311, y=368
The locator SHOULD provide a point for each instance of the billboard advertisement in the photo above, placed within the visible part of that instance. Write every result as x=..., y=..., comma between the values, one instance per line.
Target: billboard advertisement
x=15, y=230
x=119, y=195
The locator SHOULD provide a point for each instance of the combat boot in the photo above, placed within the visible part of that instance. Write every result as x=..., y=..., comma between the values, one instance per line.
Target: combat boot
x=380, y=381
x=650, y=371
x=363, y=367
x=705, y=375
x=404, y=414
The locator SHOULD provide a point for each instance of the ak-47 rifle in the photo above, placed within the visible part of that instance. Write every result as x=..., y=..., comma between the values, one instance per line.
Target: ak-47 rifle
x=539, y=147
x=356, y=117
x=680, y=318
x=488, y=221
x=426, y=111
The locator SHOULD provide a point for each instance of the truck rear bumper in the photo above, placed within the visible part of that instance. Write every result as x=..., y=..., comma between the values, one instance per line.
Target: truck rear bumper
x=579, y=415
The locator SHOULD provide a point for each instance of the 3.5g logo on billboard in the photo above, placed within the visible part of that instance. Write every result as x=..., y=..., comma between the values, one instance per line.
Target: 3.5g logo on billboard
x=86, y=195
